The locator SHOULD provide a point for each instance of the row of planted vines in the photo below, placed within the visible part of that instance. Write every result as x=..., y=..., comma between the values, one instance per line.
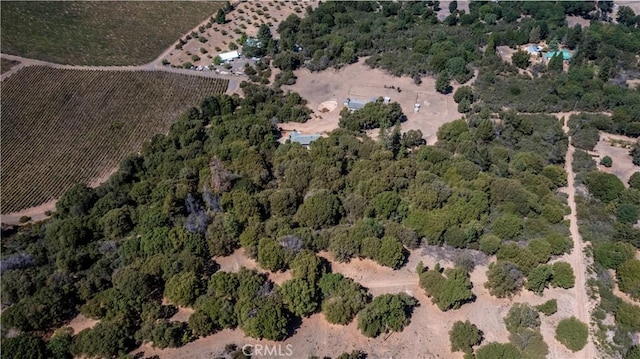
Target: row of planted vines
x=60, y=127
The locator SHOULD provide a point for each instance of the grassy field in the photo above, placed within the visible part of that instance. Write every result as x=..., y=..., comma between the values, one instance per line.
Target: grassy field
x=6, y=65
x=97, y=32
x=61, y=127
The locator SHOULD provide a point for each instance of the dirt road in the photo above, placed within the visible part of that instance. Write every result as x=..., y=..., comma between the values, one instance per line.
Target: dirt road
x=577, y=257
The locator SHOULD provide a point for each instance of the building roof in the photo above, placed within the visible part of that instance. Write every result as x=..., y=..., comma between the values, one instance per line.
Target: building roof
x=355, y=104
x=534, y=48
x=304, y=140
x=566, y=55
x=226, y=56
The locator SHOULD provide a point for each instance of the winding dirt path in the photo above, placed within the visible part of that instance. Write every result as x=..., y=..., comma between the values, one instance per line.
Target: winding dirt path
x=577, y=258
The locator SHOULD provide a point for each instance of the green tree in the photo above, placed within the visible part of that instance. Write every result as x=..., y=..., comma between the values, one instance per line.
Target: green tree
x=572, y=333
x=464, y=336
x=627, y=16
x=490, y=244
x=320, y=210
x=183, y=289
x=627, y=213
x=563, y=275
x=539, y=278
x=634, y=180
x=387, y=312
x=521, y=59
x=24, y=346
x=628, y=275
x=604, y=186
x=299, y=296
x=628, y=316
x=342, y=298
x=508, y=226
x=549, y=307
x=220, y=17
x=606, y=161
x=522, y=316
x=498, y=351
x=116, y=223
x=443, y=83
x=555, y=63
x=59, y=346
x=391, y=253
x=504, y=279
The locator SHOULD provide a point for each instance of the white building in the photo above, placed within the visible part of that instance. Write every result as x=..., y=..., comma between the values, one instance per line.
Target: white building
x=229, y=56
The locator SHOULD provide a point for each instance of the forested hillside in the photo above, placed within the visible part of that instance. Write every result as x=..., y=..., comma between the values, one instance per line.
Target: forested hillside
x=130, y=251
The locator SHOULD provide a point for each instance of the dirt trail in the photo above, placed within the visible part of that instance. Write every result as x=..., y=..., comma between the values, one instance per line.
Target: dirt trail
x=577, y=257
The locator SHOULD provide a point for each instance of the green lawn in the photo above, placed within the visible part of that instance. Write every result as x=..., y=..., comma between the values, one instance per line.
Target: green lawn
x=96, y=32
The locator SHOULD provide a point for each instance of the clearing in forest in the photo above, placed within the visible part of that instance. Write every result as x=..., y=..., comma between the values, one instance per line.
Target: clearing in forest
x=60, y=127
x=83, y=32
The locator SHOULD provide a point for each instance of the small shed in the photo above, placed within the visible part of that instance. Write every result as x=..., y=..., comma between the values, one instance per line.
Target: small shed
x=304, y=140
x=229, y=56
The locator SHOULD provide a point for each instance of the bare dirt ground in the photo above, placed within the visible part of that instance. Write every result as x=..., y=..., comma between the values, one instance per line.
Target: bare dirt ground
x=80, y=322
x=577, y=20
x=359, y=82
x=617, y=147
x=425, y=337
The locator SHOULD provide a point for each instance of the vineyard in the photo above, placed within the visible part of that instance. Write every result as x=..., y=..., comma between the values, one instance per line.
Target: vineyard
x=97, y=32
x=6, y=65
x=60, y=127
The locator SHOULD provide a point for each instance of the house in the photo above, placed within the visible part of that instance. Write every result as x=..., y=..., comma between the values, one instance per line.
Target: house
x=227, y=57
x=533, y=49
x=354, y=105
x=566, y=55
x=304, y=140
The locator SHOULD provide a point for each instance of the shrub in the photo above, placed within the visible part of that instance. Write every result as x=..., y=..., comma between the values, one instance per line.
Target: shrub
x=203, y=50
x=572, y=333
x=187, y=65
x=24, y=219
x=549, y=307
x=166, y=62
x=195, y=58
x=606, y=161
